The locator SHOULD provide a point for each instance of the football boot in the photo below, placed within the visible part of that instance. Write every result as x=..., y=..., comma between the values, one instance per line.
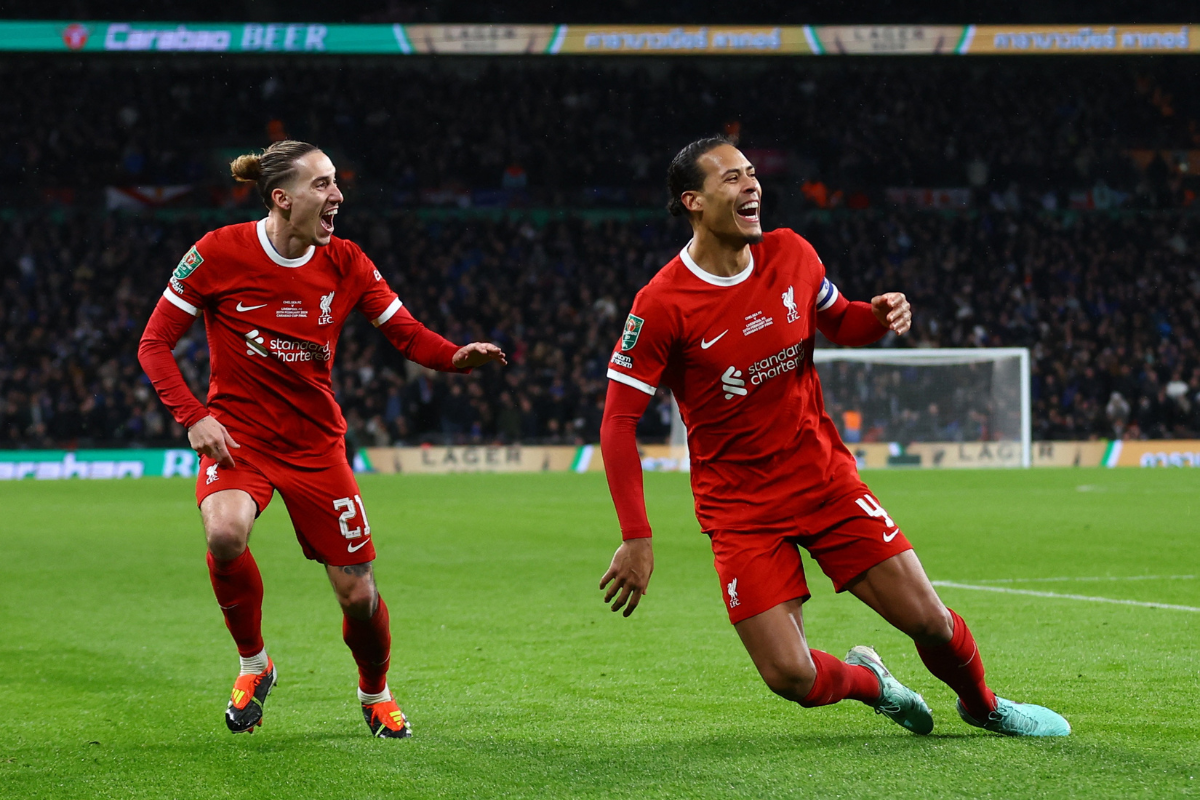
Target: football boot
x=896, y=701
x=250, y=693
x=1019, y=719
x=386, y=720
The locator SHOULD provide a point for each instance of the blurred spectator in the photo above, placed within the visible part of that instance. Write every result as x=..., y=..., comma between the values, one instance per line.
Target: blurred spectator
x=1106, y=305
x=1106, y=299
x=416, y=131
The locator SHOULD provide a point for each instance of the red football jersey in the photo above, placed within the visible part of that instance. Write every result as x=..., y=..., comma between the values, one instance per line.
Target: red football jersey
x=273, y=326
x=737, y=354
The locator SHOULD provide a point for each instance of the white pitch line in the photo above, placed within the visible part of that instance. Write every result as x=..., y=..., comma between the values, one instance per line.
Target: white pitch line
x=1101, y=578
x=1056, y=595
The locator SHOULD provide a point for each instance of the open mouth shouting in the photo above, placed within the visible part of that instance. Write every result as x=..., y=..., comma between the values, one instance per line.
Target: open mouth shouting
x=748, y=211
x=327, y=219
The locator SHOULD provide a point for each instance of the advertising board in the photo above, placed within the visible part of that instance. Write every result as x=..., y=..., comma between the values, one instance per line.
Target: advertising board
x=315, y=38
x=1078, y=39
x=685, y=40
x=96, y=464
x=1154, y=453
x=481, y=458
x=134, y=463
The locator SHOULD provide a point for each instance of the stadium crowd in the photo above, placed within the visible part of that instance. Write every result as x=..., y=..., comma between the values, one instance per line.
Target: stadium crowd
x=583, y=132
x=1107, y=303
x=1105, y=298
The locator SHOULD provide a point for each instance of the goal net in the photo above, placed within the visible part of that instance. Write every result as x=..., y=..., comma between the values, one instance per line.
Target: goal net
x=925, y=396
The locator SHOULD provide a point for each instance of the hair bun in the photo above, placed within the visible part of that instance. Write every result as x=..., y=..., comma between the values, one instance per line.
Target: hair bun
x=247, y=168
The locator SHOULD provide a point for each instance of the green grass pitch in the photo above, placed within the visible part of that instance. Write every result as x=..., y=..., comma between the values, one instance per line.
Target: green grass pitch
x=115, y=666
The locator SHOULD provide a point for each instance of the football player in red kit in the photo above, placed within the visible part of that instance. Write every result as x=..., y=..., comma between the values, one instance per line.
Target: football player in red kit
x=274, y=295
x=729, y=327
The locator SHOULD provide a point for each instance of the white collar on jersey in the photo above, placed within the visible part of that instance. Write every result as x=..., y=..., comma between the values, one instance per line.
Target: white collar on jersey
x=708, y=277
x=273, y=254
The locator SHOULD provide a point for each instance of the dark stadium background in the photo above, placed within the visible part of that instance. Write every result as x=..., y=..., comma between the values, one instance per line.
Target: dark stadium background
x=521, y=200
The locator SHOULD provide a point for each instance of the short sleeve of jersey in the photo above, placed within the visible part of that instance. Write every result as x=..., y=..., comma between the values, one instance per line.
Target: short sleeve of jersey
x=377, y=302
x=647, y=339
x=191, y=281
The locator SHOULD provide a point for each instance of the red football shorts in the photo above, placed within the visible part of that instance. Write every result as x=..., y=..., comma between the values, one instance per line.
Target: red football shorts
x=325, y=505
x=846, y=536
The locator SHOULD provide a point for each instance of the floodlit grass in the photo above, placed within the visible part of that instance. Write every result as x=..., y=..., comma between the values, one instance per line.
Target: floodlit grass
x=115, y=664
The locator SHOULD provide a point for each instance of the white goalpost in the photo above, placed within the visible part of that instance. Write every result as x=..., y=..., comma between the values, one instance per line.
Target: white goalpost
x=917, y=396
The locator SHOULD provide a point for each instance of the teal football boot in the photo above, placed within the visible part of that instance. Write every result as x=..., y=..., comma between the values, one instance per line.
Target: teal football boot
x=896, y=701
x=1019, y=719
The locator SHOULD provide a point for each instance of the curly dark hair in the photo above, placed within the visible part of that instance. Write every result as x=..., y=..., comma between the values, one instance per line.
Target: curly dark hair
x=685, y=174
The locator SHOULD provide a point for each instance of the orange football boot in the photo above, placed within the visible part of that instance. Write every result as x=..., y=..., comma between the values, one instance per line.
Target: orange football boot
x=386, y=720
x=250, y=692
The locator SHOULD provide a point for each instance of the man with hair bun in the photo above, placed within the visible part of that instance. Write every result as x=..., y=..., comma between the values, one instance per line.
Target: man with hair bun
x=274, y=295
x=729, y=326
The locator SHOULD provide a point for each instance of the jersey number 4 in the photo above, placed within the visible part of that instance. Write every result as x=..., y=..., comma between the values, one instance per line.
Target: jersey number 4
x=349, y=513
x=871, y=506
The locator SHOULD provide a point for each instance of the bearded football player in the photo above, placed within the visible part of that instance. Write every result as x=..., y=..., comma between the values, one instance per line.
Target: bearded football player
x=274, y=295
x=729, y=326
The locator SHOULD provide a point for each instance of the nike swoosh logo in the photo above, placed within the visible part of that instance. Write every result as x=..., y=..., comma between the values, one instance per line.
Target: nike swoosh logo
x=241, y=307
x=705, y=345
x=363, y=544
x=895, y=533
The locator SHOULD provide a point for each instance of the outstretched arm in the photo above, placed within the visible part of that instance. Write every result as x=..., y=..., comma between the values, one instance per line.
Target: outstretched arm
x=629, y=573
x=206, y=436
x=857, y=324
x=428, y=349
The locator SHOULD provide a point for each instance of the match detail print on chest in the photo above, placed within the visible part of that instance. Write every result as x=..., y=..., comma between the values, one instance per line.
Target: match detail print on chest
x=295, y=307
x=763, y=317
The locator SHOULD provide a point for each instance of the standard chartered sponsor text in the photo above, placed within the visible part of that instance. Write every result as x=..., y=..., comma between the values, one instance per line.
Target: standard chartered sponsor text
x=291, y=350
x=772, y=366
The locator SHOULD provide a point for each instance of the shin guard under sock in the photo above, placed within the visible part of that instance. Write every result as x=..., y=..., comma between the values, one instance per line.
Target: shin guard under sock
x=370, y=642
x=239, y=590
x=836, y=680
x=959, y=665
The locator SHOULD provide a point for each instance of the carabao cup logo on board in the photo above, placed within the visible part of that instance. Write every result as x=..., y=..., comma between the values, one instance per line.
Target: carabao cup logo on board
x=633, y=328
x=75, y=36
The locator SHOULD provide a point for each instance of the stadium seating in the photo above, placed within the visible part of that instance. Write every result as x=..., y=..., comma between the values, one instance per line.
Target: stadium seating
x=533, y=217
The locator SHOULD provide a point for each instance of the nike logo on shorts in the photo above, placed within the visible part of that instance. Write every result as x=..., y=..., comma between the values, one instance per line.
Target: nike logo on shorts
x=361, y=545
x=241, y=307
x=893, y=535
x=705, y=345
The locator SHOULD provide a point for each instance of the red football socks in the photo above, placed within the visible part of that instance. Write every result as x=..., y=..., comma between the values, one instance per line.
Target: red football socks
x=836, y=680
x=239, y=590
x=370, y=642
x=959, y=665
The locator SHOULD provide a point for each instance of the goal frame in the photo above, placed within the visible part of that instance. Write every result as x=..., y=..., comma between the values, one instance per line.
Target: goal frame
x=932, y=356
x=918, y=357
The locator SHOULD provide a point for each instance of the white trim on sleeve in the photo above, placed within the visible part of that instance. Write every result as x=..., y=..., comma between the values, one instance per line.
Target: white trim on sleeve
x=621, y=377
x=180, y=303
x=388, y=314
x=827, y=296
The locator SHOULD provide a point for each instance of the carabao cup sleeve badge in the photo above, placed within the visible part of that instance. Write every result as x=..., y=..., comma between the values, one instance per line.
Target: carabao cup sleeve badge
x=188, y=264
x=633, y=328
